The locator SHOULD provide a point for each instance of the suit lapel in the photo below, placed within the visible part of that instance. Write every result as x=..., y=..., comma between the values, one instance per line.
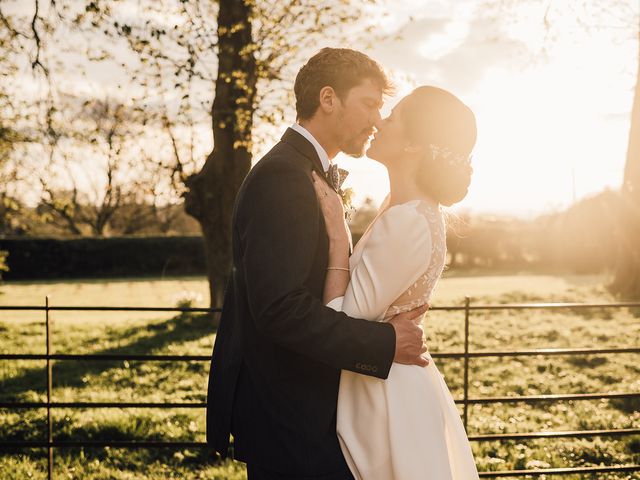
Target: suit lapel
x=303, y=146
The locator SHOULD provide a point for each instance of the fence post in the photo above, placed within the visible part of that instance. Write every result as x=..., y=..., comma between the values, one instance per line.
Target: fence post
x=49, y=388
x=466, y=360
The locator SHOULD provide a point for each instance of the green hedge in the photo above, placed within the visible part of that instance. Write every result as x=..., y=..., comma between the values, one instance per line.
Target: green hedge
x=45, y=258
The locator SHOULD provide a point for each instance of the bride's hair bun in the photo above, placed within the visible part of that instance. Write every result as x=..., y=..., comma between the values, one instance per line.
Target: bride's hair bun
x=446, y=129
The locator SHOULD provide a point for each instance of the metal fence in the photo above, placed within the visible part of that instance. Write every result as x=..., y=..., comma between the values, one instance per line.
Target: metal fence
x=466, y=355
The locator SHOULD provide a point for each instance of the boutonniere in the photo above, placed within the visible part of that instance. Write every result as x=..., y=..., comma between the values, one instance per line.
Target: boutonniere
x=346, y=194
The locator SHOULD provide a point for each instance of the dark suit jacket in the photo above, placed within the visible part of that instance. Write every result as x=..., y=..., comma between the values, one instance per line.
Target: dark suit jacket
x=278, y=353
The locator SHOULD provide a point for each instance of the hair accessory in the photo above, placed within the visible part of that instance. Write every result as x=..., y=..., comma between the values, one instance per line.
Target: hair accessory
x=446, y=154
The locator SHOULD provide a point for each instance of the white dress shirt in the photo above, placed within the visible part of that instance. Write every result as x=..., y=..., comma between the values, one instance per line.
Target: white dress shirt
x=322, y=154
x=324, y=158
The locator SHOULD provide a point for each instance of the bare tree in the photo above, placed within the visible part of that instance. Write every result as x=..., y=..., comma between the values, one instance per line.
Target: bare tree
x=627, y=279
x=232, y=61
x=244, y=53
x=11, y=138
x=102, y=127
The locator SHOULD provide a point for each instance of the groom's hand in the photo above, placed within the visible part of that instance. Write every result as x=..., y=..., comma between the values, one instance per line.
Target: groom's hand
x=409, y=337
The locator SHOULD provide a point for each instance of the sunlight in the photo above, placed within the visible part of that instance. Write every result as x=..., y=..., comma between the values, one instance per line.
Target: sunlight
x=538, y=136
x=545, y=135
x=114, y=198
x=438, y=45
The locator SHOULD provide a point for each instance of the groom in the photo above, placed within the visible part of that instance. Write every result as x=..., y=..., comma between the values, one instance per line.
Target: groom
x=278, y=353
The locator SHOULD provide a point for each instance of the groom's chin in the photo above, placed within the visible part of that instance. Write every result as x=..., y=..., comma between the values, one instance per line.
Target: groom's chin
x=356, y=151
x=355, y=154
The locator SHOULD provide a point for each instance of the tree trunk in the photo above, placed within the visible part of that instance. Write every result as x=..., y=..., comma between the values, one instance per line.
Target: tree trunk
x=627, y=275
x=211, y=192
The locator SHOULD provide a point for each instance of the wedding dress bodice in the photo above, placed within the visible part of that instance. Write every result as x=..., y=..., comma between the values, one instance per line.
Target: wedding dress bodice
x=406, y=244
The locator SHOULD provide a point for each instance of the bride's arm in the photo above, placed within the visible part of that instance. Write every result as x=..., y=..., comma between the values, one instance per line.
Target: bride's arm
x=337, y=279
x=338, y=275
x=396, y=254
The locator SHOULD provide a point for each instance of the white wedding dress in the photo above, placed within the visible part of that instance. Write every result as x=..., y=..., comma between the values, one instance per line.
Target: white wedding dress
x=405, y=427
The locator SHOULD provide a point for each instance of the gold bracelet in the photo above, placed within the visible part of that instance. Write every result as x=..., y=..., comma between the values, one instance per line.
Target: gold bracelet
x=339, y=268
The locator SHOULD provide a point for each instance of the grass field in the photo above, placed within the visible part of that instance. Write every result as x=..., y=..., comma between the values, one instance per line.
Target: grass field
x=77, y=332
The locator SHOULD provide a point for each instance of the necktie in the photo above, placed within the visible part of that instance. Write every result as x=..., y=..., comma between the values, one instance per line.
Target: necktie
x=335, y=176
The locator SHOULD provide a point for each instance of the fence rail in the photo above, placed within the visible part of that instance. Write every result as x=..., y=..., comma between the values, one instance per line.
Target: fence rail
x=50, y=444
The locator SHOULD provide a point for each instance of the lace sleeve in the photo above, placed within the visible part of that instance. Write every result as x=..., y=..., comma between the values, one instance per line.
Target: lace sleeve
x=396, y=253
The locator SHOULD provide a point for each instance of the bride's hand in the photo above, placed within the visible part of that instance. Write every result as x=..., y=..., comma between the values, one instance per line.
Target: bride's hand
x=333, y=212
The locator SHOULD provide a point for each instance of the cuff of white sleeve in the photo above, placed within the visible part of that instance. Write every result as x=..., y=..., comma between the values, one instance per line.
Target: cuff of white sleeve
x=336, y=303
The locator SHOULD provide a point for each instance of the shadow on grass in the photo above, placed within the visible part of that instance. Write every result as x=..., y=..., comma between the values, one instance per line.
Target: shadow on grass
x=70, y=373
x=142, y=427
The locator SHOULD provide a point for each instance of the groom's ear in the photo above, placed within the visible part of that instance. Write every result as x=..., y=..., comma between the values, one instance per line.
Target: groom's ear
x=327, y=99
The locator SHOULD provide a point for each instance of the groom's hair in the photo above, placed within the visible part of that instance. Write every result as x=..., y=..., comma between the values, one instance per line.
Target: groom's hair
x=339, y=68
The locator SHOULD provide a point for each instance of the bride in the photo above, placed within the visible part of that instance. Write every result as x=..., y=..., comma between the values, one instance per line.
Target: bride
x=407, y=426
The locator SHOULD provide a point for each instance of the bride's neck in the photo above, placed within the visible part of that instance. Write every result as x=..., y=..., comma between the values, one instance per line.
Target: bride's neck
x=403, y=187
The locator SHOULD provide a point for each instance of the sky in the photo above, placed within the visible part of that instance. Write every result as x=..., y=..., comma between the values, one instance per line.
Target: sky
x=553, y=114
x=552, y=107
